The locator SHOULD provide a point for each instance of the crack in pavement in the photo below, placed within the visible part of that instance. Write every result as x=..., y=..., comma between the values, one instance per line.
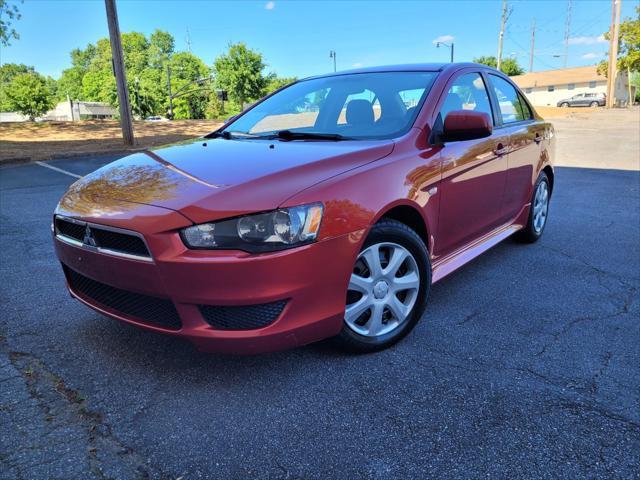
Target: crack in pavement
x=106, y=455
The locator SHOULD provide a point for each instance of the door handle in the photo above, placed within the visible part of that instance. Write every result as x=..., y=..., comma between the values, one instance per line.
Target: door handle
x=500, y=150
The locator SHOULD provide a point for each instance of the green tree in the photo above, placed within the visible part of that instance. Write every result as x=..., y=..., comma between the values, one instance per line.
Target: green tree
x=274, y=82
x=8, y=72
x=70, y=82
x=189, y=77
x=628, y=46
x=29, y=94
x=508, y=66
x=8, y=14
x=239, y=72
x=161, y=47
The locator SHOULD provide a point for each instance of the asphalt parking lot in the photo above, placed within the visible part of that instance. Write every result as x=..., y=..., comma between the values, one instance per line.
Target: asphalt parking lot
x=526, y=365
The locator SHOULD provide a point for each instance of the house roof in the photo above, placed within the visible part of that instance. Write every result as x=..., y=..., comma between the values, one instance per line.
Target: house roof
x=559, y=77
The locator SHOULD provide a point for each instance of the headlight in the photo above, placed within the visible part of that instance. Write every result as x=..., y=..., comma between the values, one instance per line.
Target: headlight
x=262, y=232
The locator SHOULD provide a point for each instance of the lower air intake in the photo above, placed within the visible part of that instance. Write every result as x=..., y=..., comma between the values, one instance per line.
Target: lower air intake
x=155, y=311
x=248, y=317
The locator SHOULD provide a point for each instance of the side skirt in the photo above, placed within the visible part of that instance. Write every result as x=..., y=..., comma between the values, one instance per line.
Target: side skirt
x=446, y=265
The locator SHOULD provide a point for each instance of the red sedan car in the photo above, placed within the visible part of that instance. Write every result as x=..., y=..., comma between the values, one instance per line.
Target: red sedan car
x=326, y=210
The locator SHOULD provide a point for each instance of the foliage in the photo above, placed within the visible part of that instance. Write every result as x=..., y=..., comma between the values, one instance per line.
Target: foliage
x=239, y=72
x=509, y=66
x=8, y=14
x=274, y=82
x=628, y=47
x=191, y=98
x=29, y=94
x=8, y=72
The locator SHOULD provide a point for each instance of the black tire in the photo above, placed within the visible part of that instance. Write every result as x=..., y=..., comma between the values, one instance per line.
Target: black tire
x=529, y=234
x=564, y=104
x=388, y=230
x=594, y=104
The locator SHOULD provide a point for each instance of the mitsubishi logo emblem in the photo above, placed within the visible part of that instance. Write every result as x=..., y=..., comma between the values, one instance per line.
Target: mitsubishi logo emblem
x=88, y=238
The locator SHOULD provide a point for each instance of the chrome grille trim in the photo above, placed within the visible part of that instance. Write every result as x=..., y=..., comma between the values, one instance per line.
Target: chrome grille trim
x=103, y=250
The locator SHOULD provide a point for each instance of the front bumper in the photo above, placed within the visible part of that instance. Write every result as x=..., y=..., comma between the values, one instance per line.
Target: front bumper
x=310, y=281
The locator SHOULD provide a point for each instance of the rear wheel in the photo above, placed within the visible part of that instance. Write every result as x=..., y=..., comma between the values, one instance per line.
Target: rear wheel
x=388, y=289
x=538, y=212
x=594, y=104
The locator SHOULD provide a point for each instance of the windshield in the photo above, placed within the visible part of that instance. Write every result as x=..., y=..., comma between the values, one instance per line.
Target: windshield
x=363, y=105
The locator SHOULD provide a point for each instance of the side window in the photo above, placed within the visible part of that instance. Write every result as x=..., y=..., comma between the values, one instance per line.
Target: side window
x=526, y=110
x=467, y=92
x=510, y=107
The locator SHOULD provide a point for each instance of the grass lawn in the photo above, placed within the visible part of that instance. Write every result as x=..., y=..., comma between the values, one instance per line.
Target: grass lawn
x=40, y=141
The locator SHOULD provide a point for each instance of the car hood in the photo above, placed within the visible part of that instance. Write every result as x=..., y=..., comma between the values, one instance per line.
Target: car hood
x=209, y=179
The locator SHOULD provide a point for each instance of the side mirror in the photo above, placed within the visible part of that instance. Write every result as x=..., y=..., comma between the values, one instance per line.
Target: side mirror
x=466, y=125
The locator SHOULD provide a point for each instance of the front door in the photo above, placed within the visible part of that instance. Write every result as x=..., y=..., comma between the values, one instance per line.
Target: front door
x=473, y=172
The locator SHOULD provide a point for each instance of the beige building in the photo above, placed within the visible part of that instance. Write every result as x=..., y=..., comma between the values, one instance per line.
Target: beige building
x=547, y=88
x=68, y=112
x=74, y=111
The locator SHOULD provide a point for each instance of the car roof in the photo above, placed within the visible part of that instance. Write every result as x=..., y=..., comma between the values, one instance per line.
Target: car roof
x=409, y=67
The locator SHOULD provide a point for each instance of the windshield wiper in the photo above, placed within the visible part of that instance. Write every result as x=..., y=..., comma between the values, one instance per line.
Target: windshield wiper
x=290, y=135
x=232, y=135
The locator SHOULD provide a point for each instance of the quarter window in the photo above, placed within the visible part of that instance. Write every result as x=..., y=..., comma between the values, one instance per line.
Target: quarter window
x=508, y=100
x=528, y=90
x=571, y=86
x=467, y=92
x=551, y=88
x=592, y=84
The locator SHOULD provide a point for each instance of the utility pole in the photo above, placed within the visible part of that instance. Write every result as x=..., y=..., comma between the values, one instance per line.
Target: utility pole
x=614, y=34
x=332, y=54
x=119, y=71
x=503, y=22
x=170, y=96
x=533, y=42
x=567, y=33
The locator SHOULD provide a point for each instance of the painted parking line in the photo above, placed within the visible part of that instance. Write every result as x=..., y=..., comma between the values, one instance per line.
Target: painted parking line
x=60, y=170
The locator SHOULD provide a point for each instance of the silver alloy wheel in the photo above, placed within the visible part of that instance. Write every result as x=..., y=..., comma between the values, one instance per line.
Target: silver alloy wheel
x=383, y=288
x=540, y=207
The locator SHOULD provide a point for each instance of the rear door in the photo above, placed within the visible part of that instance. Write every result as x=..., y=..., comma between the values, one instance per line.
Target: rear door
x=525, y=134
x=473, y=171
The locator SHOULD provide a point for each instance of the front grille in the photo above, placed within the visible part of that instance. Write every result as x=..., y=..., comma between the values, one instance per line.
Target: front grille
x=70, y=229
x=156, y=311
x=247, y=317
x=103, y=237
x=120, y=241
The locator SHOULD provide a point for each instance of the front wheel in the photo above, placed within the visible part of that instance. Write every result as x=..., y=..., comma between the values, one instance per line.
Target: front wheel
x=564, y=105
x=388, y=288
x=538, y=212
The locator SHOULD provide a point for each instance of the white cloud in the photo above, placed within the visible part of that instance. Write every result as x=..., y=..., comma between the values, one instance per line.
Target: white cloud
x=356, y=65
x=443, y=39
x=587, y=40
x=591, y=55
x=270, y=5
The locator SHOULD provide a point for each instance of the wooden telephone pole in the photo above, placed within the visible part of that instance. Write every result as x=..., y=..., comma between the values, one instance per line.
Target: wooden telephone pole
x=533, y=42
x=614, y=34
x=501, y=36
x=119, y=72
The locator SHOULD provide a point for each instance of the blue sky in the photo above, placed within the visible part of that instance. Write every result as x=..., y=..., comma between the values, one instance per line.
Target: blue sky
x=295, y=36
